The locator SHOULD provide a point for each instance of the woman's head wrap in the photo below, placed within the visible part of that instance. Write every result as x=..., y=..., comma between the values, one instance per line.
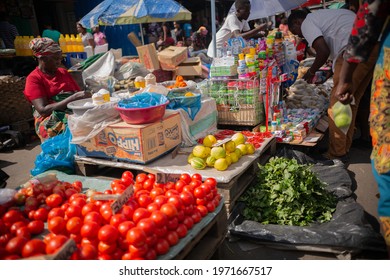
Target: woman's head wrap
x=44, y=47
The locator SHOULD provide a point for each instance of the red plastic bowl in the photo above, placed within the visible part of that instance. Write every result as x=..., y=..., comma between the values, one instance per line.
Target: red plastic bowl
x=142, y=115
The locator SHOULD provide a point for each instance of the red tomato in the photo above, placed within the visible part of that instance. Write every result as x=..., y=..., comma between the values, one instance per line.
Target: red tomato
x=147, y=225
x=65, y=206
x=180, y=185
x=54, y=200
x=170, y=186
x=189, y=188
x=162, y=246
x=108, y=234
x=169, y=209
x=3, y=228
x=176, y=200
x=73, y=211
x=181, y=230
x=151, y=254
x=124, y=227
x=48, y=237
x=151, y=176
x=4, y=239
x=188, y=210
x=153, y=207
x=160, y=200
x=186, y=178
x=211, y=182
x=74, y=224
x=12, y=216
x=140, y=213
x=181, y=215
x=15, y=226
x=94, y=242
x=88, y=252
x=127, y=211
x=136, y=236
x=55, y=244
x=201, y=201
x=196, y=176
x=126, y=257
x=33, y=247
x=78, y=185
x=107, y=214
x=161, y=232
x=70, y=192
x=141, y=177
x=41, y=214
x=117, y=219
x=15, y=245
x=151, y=240
x=127, y=178
x=35, y=227
x=122, y=243
x=196, y=216
x=156, y=192
x=172, y=223
x=170, y=193
x=56, y=212
x=188, y=222
x=89, y=207
x=93, y=217
x=172, y=238
x=115, y=183
x=159, y=218
x=144, y=200
x=199, y=192
x=210, y=206
x=148, y=184
x=118, y=188
x=89, y=230
x=79, y=201
x=195, y=183
x=138, y=251
x=202, y=210
x=206, y=188
x=187, y=198
x=106, y=248
x=23, y=232
x=56, y=225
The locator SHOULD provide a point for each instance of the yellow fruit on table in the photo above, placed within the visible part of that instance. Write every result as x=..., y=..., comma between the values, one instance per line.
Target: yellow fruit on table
x=208, y=151
x=218, y=152
x=210, y=161
x=250, y=148
x=243, y=149
x=234, y=157
x=198, y=163
x=200, y=151
x=238, y=138
x=221, y=164
x=187, y=94
x=238, y=152
x=209, y=140
x=229, y=146
x=228, y=159
x=190, y=157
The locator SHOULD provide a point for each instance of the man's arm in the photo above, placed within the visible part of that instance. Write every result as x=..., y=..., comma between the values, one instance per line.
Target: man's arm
x=322, y=54
x=254, y=33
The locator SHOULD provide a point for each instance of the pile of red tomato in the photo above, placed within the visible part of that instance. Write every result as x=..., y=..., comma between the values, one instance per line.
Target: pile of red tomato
x=155, y=218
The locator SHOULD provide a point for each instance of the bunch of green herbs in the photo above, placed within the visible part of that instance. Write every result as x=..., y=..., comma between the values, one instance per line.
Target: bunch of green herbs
x=288, y=193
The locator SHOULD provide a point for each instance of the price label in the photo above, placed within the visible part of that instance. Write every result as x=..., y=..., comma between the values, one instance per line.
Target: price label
x=122, y=199
x=163, y=177
x=65, y=252
x=219, y=143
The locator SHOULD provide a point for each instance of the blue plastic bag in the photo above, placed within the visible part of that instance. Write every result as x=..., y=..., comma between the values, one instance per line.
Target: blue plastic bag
x=57, y=153
x=190, y=104
x=143, y=100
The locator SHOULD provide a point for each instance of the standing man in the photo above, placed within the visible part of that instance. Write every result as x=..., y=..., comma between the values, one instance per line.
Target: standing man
x=326, y=32
x=8, y=31
x=235, y=25
x=51, y=33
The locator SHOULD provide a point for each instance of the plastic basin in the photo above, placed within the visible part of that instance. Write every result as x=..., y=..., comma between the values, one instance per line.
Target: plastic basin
x=142, y=115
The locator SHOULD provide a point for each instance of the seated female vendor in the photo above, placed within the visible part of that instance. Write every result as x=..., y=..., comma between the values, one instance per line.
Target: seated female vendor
x=49, y=88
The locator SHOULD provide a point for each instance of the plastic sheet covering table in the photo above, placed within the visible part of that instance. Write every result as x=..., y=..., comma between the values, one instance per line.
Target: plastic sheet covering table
x=215, y=221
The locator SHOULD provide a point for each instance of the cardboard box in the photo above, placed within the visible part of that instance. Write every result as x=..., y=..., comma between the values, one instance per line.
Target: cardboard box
x=172, y=56
x=135, y=143
x=190, y=67
x=148, y=56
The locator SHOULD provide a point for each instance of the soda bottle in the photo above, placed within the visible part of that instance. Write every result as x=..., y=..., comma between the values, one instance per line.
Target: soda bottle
x=62, y=43
x=68, y=43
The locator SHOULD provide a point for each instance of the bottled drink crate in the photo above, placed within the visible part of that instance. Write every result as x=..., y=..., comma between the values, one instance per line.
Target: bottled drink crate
x=239, y=101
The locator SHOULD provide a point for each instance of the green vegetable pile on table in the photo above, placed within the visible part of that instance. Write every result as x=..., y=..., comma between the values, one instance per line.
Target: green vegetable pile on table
x=288, y=193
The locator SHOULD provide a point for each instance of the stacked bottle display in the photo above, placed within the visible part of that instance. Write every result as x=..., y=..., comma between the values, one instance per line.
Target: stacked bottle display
x=22, y=45
x=71, y=43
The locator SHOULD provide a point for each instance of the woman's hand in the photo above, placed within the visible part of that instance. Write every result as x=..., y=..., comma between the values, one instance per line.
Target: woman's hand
x=82, y=95
x=343, y=93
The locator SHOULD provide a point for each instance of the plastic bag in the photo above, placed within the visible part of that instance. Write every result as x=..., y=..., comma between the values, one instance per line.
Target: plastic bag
x=88, y=125
x=190, y=104
x=143, y=100
x=7, y=196
x=96, y=83
x=342, y=116
x=102, y=67
x=57, y=153
x=130, y=70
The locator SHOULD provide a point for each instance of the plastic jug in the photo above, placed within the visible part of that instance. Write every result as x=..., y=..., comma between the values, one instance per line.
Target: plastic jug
x=62, y=43
x=79, y=41
x=73, y=43
x=67, y=43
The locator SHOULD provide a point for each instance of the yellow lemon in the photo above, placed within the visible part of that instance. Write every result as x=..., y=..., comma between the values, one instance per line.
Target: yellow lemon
x=200, y=151
x=230, y=146
x=210, y=161
x=209, y=140
x=221, y=164
x=243, y=149
x=218, y=152
x=198, y=163
x=238, y=138
x=234, y=157
x=228, y=159
x=250, y=148
x=187, y=94
x=238, y=153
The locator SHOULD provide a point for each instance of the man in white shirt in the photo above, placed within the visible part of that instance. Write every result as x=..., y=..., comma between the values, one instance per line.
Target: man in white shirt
x=327, y=31
x=234, y=25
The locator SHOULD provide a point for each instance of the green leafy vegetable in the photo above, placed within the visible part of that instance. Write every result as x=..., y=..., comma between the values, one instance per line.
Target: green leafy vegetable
x=288, y=193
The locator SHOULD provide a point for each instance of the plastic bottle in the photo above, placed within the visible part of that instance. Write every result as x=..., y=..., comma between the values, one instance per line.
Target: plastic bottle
x=79, y=41
x=150, y=79
x=62, y=43
x=139, y=82
x=67, y=43
x=29, y=51
x=25, y=41
x=73, y=43
x=17, y=45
